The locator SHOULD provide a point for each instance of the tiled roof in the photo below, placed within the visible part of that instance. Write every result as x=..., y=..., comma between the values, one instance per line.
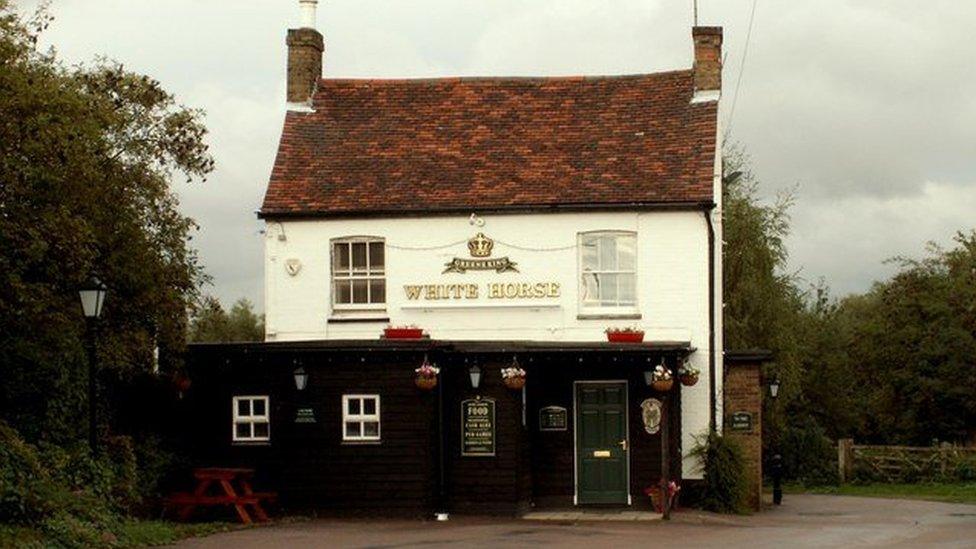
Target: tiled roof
x=457, y=144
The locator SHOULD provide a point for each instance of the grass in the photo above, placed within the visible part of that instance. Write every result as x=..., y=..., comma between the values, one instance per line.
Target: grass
x=131, y=533
x=950, y=493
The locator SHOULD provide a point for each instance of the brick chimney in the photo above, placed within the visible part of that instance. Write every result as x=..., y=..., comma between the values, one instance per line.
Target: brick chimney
x=708, y=58
x=305, y=48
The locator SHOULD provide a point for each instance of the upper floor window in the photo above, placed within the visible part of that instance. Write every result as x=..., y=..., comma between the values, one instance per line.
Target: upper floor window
x=608, y=270
x=358, y=273
x=252, y=420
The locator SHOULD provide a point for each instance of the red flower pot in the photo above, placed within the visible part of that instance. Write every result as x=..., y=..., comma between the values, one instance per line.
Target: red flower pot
x=663, y=385
x=403, y=333
x=425, y=383
x=625, y=337
x=689, y=379
x=515, y=383
x=181, y=382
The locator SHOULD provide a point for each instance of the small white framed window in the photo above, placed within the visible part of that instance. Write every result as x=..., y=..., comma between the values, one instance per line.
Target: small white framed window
x=608, y=271
x=252, y=419
x=359, y=273
x=360, y=418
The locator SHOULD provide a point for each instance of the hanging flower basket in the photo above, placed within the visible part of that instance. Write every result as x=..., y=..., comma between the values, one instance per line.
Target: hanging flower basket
x=514, y=383
x=514, y=376
x=661, y=378
x=403, y=332
x=426, y=375
x=688, y=375
x=624, y=335
x=425, y=383
x=663, y=385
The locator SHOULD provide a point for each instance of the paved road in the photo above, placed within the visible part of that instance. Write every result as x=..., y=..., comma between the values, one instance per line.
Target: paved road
x=803, y=521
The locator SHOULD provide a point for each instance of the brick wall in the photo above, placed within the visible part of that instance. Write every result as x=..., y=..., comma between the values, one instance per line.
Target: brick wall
x=743, y=394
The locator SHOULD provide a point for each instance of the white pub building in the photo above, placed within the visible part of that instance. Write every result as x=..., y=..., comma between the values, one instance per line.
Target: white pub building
x=482, y=294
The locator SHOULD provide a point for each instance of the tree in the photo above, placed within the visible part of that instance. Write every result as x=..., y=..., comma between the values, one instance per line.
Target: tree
x=86, y=154
x=210, y=323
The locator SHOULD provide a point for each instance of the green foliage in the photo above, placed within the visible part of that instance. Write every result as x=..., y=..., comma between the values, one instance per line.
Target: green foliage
x=86, y=154
x=809, y=457
x=724, y=473
x=210, y=323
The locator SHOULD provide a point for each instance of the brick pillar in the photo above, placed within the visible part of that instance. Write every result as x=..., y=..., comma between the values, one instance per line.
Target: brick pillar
x=743, y=416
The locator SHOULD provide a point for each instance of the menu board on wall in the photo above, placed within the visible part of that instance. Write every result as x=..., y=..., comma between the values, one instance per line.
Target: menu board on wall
x=478, y=427
x=553, y=418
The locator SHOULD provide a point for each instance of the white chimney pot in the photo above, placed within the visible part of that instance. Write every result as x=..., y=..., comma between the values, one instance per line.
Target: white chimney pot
x=308, y=13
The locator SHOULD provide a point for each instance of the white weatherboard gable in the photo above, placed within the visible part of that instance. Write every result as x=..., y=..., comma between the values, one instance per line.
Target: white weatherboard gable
x=672, y=281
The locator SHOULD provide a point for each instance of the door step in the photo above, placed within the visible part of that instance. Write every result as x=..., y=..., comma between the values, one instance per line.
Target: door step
x=595, y=515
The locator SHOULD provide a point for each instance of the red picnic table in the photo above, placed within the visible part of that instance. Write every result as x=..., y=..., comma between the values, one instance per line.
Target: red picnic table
x=224, y=479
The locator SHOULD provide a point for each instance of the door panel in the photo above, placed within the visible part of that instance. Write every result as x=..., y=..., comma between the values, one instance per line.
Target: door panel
x=601, y=435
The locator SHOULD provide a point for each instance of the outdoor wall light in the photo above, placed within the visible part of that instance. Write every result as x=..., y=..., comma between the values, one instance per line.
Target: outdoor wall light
x=301, y=378
x=475, y=373
x=774, y=387
x=649, y=377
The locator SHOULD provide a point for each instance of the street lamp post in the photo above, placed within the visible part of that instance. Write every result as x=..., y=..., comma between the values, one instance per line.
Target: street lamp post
x=92, y=295
x=776, y=464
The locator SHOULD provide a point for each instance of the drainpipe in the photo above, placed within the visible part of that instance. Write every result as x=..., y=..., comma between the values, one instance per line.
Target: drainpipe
x=711, y=317
x=441, y=504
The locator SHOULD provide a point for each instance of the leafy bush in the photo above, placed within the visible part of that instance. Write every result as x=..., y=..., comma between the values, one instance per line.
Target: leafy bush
x=724, y=472
x=25, y=489
x=809, y=457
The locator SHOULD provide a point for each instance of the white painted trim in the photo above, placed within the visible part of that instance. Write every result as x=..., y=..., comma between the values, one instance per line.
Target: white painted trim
x=251, y=418
x=361, y=417
x=706, y=96
x=626, y=385
x=299, y=106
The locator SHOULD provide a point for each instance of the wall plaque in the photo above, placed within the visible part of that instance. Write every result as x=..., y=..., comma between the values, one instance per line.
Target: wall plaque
x=305, y=415
x=651, y=415
x=553, y=418
x=740, y=421
x=478, y=427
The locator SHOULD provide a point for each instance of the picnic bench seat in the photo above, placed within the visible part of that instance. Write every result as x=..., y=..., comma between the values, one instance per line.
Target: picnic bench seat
x=225, y=478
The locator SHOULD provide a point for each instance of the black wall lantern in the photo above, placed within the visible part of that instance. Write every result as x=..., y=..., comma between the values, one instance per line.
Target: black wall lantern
x=475, y=373
x=301, y=378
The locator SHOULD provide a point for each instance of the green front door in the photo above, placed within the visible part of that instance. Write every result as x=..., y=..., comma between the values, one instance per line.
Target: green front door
x=601, y=442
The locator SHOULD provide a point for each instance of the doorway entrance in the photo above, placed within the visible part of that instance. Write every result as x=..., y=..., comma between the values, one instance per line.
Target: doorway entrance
x=602, y=445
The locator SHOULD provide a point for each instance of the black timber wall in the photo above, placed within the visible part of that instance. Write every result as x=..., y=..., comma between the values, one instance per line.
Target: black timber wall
x=309, y=464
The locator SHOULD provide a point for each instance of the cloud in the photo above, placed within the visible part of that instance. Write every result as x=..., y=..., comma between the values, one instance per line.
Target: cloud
x=865, y=107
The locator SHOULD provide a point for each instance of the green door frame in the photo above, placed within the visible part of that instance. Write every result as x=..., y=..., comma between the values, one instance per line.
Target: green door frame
x=626, y=453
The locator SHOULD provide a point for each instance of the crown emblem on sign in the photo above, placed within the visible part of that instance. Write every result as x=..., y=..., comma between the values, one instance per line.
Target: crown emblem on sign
x=480, y=245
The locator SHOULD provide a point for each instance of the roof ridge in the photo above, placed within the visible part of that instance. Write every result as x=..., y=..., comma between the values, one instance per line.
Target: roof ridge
x=497, y=79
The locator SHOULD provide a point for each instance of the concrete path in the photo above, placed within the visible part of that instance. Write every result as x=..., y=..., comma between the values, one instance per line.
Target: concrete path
x=803, y=521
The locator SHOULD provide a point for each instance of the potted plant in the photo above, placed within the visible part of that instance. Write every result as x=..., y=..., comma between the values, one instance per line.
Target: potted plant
x=514, y=377
x=688, y=374
x=661, y=379
x=630, y=334
x=403, y=332
x=426, y=376
x=654, y=492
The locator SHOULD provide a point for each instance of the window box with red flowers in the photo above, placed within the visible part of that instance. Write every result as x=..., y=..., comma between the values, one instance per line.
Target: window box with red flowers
x=625, y=335
x=403, y=332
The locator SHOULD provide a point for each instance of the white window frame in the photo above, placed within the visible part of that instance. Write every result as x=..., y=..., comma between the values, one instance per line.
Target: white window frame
x=624, y=309
x=369, y=276
x=250, y=419
x=361, y=418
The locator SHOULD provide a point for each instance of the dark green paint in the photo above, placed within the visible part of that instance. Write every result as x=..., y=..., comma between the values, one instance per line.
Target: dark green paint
x=601, y=426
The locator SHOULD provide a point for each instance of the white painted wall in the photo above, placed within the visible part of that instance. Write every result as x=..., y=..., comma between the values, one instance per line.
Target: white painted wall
x=672, y=280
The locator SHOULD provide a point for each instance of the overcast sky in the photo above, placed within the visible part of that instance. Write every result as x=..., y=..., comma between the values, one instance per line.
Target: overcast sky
x=865, y=108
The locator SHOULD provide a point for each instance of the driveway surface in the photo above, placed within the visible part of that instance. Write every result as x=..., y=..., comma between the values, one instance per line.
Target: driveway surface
x=802, y=521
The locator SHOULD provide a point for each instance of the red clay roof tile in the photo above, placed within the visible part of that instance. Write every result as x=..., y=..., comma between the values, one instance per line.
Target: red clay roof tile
x=456, y=144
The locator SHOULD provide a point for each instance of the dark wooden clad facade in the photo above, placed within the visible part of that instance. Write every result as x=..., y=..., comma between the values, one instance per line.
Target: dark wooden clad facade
x=404, y=473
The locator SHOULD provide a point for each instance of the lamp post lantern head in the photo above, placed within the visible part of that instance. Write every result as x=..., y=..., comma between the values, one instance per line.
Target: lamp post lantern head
x=92, y=295
x=475, y=373
x=774, y=387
